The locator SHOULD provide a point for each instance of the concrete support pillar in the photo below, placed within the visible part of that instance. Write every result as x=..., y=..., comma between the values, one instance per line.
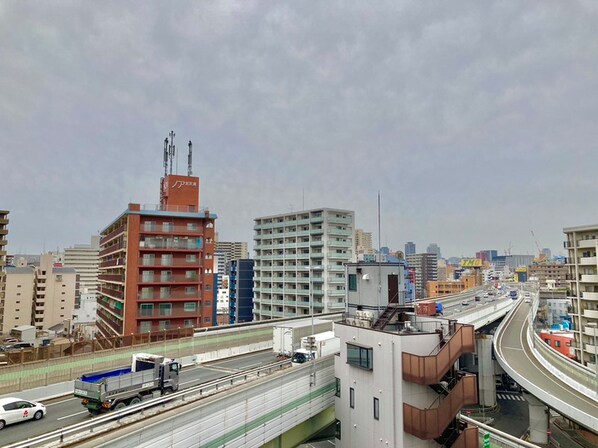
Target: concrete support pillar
x=539, y=420
x=486, y=380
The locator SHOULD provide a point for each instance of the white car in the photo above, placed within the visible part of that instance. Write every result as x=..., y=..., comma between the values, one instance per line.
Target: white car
x=14, y=410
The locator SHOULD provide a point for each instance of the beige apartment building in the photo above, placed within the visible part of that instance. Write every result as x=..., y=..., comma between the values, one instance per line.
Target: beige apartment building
x=582, y=245
x=42, y=296
x=363, y=242
x=3, y=243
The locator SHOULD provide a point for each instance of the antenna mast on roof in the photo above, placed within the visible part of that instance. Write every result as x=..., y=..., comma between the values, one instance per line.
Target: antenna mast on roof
x=165, y=157
x=189, y=157
x=171, y=149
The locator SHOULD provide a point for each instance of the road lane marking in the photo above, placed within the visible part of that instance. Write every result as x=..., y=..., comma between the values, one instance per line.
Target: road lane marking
x=73, y=415
x=63, y=401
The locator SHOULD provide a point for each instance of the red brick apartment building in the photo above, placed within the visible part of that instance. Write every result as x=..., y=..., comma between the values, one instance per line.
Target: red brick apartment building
x=156, y=264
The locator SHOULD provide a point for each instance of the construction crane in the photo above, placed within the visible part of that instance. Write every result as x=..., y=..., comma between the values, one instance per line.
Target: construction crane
x=508, y=251
x=541, y=257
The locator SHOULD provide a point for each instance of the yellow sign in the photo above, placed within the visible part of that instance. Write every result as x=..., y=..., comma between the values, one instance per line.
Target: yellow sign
x=471, y=263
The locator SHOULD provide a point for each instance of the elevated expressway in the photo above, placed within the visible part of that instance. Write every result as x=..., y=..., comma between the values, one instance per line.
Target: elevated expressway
x=551, y=379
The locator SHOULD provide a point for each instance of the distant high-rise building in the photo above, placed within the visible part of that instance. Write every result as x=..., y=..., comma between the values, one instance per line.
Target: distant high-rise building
x=434, y=249
x=363, y=242
x=156, y=262
x=233, y=250
x=426, y=269
x=582, y=249
x=486, y=255
x=3, y=243
x=85, y=259
x=241, y=291
x=409, y=248
x=300, y=262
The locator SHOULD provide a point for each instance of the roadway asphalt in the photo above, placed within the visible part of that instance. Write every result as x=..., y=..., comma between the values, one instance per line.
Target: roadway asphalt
x=68, y=410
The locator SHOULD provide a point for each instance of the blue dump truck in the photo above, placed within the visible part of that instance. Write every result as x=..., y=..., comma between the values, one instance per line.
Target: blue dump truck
x=148, y=376
x=513, y=294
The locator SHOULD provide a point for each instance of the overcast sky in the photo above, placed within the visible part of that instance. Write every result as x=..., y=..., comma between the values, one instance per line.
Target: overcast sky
x=476, y=121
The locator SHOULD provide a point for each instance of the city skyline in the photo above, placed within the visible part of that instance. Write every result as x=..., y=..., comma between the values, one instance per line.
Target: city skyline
x=474, y=122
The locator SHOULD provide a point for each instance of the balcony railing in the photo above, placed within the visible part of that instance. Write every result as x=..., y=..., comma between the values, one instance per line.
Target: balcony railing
x=112, y=249
x=430, y=369
x=427, y=424
x=169, y=279
x=111, y=292
x=158, y=243
x=170, y=313
x=169, y=262
x=112, y=234
x=118, y=278
x=113, y=263
x=182, y=230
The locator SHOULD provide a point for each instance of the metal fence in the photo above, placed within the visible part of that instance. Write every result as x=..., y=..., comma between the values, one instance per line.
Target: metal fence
x=40, y=373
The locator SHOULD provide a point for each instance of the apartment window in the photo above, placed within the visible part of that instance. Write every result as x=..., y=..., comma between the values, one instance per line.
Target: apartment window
x=147, y=292
x=191, y=258
x=376, y=409
x=338, y=387
x=189, y=323
x=189, y=306
x=165, y=309
x=164, y=324
x=190, y=290
x=206, y=319
x=167, y=227
x=362, y=357
x=149, y=226
x=146, y=309
x=190, y=275
x=191, y=226
x=557, y=343
x=352, y=398
x=352, y=282
x=165, y=292
x=337, y=429
x=145, y=326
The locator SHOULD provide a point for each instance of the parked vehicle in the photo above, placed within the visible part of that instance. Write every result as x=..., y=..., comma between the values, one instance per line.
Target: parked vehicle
x=316, y=346
x=287, y=336
x=148, y=376
x=439, y=308
x=16, y=346
x=14, y=410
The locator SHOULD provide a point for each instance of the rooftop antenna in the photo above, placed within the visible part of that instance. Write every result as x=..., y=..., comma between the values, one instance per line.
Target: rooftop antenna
x=379, y=258
x=165, y=157
x=171, y=149
x=189, y=157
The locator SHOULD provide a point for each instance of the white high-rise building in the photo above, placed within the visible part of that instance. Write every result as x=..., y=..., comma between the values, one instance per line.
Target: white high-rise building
x=302, y=255
x=85, y=259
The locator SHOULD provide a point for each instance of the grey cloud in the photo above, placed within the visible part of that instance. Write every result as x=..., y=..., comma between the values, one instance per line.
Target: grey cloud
x=464, y=115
